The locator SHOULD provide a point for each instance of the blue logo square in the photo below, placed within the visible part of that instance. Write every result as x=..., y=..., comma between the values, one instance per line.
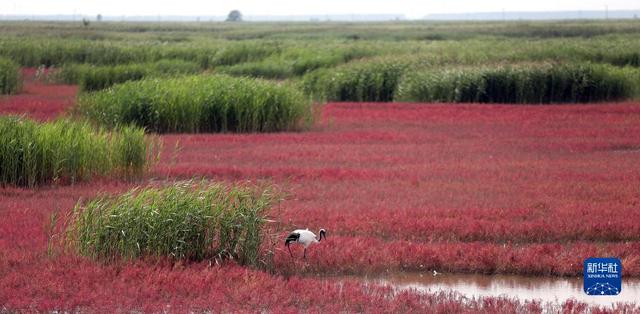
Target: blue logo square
x=602, y=276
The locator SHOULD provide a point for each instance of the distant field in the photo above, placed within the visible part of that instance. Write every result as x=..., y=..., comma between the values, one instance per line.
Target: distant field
x=312, y=53
x=476, y=147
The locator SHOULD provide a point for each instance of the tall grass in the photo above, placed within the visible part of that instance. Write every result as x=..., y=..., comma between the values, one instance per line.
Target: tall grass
x=359, y=81
x=244, y=52
x=36, y=51
x=92, y=78
x=296, y=61
x=65, y=151
x=570, y=83
x=58, y=43
x=188, y=220
x=9, y=77
x=267, y=69
x=199, y=104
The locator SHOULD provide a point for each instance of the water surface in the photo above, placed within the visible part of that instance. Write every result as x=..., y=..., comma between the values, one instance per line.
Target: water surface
x=545, y=289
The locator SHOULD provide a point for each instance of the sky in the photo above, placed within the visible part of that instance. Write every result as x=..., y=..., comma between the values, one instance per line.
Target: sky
x=411, y=8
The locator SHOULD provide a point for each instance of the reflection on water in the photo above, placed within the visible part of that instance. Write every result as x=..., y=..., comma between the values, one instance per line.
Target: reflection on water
x=546, y=289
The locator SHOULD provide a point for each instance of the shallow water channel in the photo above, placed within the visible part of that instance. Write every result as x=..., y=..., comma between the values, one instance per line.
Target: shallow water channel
x=545, y=289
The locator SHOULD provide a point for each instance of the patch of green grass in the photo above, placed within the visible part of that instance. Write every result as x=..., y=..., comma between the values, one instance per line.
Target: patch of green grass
x=90, y=77
x=186, y=221
x=325, y=53
x=65, y=151
x=202, y=103
x=358, y=81
x=9, y=77
x=295, y=61
x=535, y=83
x=249, y=51
x=262, y=69
x=44, y=51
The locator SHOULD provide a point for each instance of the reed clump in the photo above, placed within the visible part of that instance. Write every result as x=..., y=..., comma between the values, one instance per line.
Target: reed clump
x=529, y=84
x=358, y=81
x=35, y=50
x=294, y=61
x=202, y=103
x=183, y=221
x=249, y=51
x=63, y=151
x=9, y=77
x=91, y=77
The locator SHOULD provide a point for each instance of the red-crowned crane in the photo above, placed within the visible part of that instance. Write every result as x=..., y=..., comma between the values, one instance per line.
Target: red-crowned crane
x=304, y=237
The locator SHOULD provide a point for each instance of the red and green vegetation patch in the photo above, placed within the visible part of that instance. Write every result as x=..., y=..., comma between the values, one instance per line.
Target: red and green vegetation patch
x=478, y=188
x=447, y=188
x=38, y=101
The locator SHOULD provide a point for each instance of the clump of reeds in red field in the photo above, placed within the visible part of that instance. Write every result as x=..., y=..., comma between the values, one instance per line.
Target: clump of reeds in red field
x=187, y=220
x=199, y=103
x=33, y=153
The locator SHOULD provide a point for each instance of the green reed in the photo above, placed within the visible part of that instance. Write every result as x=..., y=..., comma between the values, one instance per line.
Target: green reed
x=533, y=83
x=34, y=153
x=186, y=220
x=10, y=81
x=203, y=103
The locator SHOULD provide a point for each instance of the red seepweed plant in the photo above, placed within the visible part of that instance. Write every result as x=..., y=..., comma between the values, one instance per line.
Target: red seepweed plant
x=457, y=188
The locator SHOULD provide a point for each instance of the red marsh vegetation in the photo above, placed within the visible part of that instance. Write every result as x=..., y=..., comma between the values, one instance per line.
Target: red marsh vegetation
x=455, y=188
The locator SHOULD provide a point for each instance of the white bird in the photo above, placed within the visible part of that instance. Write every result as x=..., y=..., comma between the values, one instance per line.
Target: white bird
x=304, y=237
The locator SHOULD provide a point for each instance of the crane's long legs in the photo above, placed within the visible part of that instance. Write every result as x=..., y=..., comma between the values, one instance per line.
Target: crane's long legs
x=305, y=253
x=289, y=247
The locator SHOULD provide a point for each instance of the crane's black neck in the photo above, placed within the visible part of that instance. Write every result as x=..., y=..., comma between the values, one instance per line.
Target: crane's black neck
x=323, y=234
